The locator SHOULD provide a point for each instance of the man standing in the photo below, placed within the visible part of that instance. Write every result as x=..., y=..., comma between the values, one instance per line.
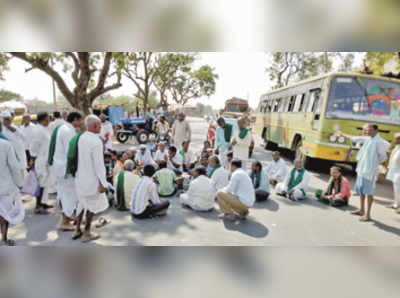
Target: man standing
x=107, y=132
x=276, y=169
x=241, y=142
x=223, y=139
x=394, y=172
x=238, y=196
x=90, y=179
x=181, y=131
x=371, y=155
x=12, y=211
x=27, y=129
x=16, y=138
x=66, y=191
x=296, y=182
x=40, y=153
x=58, y=120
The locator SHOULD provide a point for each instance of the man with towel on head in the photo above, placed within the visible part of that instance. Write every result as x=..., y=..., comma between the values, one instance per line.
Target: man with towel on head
x=222, y=140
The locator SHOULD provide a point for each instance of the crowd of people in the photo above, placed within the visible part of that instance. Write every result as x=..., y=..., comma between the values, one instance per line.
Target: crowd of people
x=73, y=156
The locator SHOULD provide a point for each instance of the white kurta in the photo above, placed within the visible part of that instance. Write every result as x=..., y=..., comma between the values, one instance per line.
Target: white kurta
x=181, y=132
x=107, y=130
x=264, y=182
x=160, y=156
x=91, y=172
x=28, y=132
x=11, y=207
x=394, y=175
x=53, y=125
x=66, y=190
x=177, y=159
x=17, y=140
x=299, y=190
x=241, y=149
x=219, y=179
x=145, y=158
x=277, y=170
x=200, y=195
x=242, y=187
x=145, y=191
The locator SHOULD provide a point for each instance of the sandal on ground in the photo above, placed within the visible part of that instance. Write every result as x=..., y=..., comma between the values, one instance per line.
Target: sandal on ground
x=41, y=211
x=9, y=242
x=365, y=219
x=358, y=212
x=67, y=228
x=77, y=235
x=102, y=222
x=90, y=237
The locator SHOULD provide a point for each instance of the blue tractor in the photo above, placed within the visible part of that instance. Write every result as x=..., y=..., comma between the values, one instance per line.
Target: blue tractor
x=143, y=128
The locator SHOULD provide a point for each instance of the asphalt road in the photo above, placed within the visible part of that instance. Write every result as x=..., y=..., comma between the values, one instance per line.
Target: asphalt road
x=277, y=222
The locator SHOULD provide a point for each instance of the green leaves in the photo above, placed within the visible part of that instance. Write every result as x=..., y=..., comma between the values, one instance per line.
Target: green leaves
x=380, y=62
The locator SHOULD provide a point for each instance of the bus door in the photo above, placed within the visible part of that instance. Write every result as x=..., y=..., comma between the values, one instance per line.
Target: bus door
x=314, y=108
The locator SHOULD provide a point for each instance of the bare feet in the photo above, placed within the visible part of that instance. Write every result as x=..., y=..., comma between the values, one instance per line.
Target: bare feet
x=67, y=227
x=77, y=235
x=243, y=216
x=230, y=216
x=87, y=237
x=9, y=242
x=365, y=218
x=358, y=212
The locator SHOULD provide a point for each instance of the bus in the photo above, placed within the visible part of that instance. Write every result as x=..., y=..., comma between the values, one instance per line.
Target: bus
x=235, y=107
x=304, y=117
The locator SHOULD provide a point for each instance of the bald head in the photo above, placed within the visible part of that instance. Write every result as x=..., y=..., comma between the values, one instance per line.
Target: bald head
x=93, y=124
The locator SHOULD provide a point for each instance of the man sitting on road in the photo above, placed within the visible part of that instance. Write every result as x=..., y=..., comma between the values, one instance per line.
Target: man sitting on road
x=161, y=154
x=143, y=157
x=187, y=156
x=238, y=196
x=165, y=178
x=218, y=175
x=124, y=184
x=260, y=181
x=276, y=169
x=296, y=182
x=337, y=193
x=174, y=161
x=200, y=196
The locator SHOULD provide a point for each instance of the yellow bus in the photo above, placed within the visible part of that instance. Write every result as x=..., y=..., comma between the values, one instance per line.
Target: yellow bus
x=304, y=117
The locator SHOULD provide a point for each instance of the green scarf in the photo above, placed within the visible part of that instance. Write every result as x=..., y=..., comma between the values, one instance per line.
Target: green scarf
x=257, y=180
x=243, y=133
x=120, y=191
x=3, y=137
x=182, y=153
x=228, y=132
x=332, y=184
x=214, y=169
x=72, y=156
x=52, y=148
x=294, y=182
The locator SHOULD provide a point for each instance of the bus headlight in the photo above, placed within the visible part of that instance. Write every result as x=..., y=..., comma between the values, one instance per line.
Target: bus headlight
x=341, y=140
x=332, y=138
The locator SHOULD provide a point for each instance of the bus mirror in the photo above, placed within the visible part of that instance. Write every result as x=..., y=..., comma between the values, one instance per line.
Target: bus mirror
x=317, y=116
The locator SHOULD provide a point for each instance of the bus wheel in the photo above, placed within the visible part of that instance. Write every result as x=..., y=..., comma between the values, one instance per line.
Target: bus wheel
x=307, y=161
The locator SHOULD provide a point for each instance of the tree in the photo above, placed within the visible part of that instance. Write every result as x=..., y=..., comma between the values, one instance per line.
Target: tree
x=191, y=84
x=139, y=68
x=167, y=66
x=382, y=63
x=3, y=64
x=89, y=72
x=6, y=95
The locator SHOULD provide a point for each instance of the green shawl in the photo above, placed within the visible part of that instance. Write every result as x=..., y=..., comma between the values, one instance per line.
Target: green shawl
x=3, y=137
x=214, y=169
x=243, y=133
x=257, y=180
x=294, y=182
x=182, y=153
x=72, y=156
x=120, y=191
x=332, y=184
x=52, y=148
x=228, y=132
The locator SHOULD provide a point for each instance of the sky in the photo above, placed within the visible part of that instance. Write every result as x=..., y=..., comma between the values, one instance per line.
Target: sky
x=241, y=74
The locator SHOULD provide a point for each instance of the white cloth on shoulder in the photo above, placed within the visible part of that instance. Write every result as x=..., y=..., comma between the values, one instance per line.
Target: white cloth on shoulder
x=12, y=208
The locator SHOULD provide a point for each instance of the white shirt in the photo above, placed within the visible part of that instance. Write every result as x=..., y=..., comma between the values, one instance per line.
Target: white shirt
x=28, y=132
x=91, y=170
x=241, y=149
x=220, y=179
x=17, y=140
x=64, y=135
x=55, y=123
x=276, y=170
x=394, y=166
x=10, y=174
x=107, y=130
x=40, y=149
x=264, y=182
x=303, y=185
x=145, y=191
x=242, y=187
x=145, y=158
x=189, y=157
x=176, y=159
x=181, y=132
x=201, y=193
x=160, y=155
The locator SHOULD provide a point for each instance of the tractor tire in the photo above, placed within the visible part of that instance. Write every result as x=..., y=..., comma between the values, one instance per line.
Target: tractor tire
x=142, y=136
x=122, y=137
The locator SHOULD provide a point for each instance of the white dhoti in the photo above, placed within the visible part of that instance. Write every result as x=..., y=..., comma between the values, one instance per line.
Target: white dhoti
x=67, y=196
x=94, y=204
x=298, y=194
x=224, y=159
x=12, y=209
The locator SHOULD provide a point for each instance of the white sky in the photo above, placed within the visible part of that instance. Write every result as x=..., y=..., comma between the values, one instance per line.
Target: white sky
x=241, y=74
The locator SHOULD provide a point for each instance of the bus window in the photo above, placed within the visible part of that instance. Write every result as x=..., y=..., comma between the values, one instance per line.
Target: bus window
x=291, y=103
x=283, y=105
x=314, y=104
x=277, y=103
x=299, y=105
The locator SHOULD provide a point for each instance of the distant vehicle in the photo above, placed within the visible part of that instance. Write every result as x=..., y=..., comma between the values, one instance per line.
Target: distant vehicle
x=140, y=127
x=305, y=116
x=18, y=119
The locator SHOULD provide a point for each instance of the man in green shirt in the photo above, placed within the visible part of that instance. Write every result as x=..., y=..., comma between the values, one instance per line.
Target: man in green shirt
x=165, y=179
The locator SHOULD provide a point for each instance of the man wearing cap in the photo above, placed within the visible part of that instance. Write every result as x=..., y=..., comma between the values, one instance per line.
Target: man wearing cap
x=107, y=132
x=394, y=172
x=181, y=131
x=143, y=157
x=16, y=138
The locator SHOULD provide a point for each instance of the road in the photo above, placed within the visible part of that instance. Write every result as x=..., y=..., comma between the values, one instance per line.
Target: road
x=277, y=222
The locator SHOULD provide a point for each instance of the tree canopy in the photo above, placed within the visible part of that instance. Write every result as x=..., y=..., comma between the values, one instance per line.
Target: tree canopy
x=382, y=63
x=6, y=95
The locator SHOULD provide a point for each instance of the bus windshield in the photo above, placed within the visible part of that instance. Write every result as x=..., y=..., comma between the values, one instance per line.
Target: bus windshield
x=364, y=99
x=235, y=108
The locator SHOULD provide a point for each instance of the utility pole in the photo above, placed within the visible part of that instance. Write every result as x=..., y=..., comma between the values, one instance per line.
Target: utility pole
x=54, y=87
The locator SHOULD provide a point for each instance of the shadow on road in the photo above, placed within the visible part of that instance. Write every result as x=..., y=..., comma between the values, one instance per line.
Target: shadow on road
x=386, y=228
x=248, y=227
x=269, y=204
